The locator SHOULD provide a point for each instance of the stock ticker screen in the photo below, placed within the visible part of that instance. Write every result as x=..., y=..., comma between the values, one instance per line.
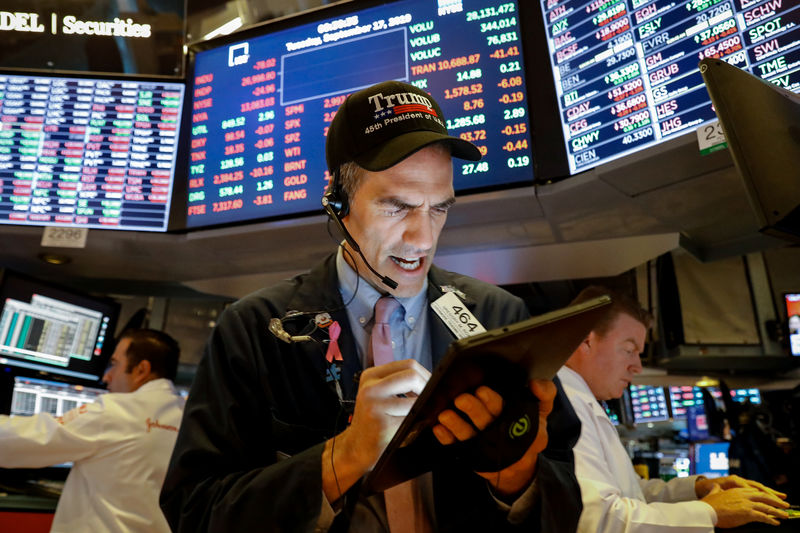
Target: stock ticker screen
x=87, y=152
x=626, y=70
x=261, y=106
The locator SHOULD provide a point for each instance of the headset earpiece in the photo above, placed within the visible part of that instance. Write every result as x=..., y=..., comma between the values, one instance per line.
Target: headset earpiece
x=334, y=200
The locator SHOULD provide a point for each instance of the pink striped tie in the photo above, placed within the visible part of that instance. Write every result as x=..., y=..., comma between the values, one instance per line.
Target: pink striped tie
x=380, y=341
x=405, y=510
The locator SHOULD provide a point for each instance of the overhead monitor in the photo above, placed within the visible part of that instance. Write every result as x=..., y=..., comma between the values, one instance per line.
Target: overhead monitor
x=649, y=403
x=626, y=72
x=52, y=330
x=762, y=128
x=262, y=99
x=792, y=301
x=88, y=152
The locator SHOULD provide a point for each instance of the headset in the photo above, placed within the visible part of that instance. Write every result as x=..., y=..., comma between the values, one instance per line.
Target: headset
x=335, y=203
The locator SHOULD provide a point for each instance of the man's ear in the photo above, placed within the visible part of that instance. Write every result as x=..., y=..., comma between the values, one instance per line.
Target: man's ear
x=143, y=369
x=588, y=342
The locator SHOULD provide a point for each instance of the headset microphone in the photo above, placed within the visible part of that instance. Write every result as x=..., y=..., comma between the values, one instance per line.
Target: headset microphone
x=336, y=206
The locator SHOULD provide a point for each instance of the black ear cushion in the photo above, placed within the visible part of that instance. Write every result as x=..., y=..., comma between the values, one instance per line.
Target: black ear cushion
x=336, y=199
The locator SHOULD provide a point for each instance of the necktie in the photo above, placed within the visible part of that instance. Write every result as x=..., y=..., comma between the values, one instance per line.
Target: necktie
x=380, y=341
x=405, y=511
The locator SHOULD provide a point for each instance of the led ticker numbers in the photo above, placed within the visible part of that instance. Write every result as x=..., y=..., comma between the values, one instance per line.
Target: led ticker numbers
x=626, y=70
x=261, y=107
x=87, y=152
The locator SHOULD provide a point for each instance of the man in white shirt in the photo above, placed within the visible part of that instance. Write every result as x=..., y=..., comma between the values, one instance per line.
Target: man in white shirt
x=614, y=498
x=120, y=445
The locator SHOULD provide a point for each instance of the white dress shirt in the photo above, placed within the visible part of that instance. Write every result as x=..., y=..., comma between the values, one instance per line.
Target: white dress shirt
x=120, y=446
x=615, y=498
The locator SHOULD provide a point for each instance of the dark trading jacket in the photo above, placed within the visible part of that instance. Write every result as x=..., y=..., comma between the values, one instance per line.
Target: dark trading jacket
x=256, y=398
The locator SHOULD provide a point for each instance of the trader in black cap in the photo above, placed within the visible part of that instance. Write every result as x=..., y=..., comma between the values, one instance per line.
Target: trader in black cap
x=303, y=384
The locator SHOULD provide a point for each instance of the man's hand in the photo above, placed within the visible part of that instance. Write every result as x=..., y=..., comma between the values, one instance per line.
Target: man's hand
x=741, y=505
x=482, y=408
x=379, y=411
x=704, y=485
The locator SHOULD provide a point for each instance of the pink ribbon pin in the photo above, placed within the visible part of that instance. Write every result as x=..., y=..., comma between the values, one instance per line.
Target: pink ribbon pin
x=333, y=346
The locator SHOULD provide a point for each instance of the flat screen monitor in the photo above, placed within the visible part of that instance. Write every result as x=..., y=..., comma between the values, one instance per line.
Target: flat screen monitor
x=626, y=72
x=746, y=395
x=710, y=459
x=134, y=37
x=262, y=100
x=793, y=321
x=683, y=397
x=31, y=396
x=88, y=152
x=761, y=122
x=648, y=403
x=53, y=330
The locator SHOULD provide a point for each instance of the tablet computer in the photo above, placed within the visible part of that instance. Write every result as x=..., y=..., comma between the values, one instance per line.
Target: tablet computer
x=505, y=359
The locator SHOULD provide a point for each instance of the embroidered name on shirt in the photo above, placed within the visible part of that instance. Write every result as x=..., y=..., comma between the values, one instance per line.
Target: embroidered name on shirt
x=155, y=424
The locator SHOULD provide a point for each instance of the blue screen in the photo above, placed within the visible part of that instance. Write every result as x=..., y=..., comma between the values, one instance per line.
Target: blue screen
x=711, y=459
x=626, y=71
x=261, y=105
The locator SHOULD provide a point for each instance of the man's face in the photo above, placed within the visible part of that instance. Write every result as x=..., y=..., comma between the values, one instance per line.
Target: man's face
x=613, y=360
x=116, y=377
x=396, y=216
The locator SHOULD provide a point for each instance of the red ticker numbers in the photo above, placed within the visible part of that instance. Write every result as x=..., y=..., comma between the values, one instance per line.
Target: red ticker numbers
x=503, y=53
x=265, y=64
x=513, y=81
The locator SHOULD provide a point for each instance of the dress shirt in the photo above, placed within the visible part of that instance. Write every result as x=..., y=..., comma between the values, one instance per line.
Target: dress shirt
x=120, y=446
x=615, y=498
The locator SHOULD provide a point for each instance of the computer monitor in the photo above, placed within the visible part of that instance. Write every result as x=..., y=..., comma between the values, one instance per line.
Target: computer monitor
x=262, y=99
x=792, y=301
x=746, y=395
x=89, y=152
x=31, y=396
x=682, y=397
x=761, y=122
x=54, y=330
x=710, y=459
x=648, y=403
x=626, y=73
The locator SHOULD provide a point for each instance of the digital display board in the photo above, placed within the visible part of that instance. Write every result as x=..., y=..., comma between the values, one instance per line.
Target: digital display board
x=649, y=403
x=88, y=152
x=626, y=70
x=261, y=105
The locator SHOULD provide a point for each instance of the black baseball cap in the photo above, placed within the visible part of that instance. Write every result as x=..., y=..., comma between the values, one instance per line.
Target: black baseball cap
x=381, y=125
